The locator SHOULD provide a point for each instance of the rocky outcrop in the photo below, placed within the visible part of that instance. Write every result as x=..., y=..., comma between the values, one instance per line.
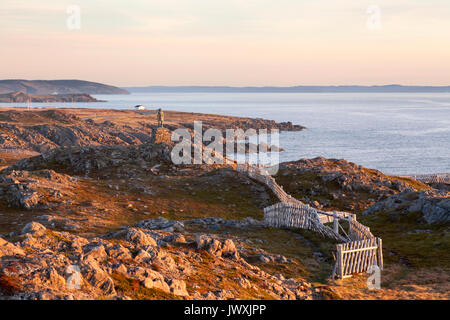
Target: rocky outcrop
x=35, y=229
x=9, y=249
x=259, y=123
x=329, y=182
x=41, y=138
x=33, y=189
x=43, y=130
x=87, y=159
x=61, y=265
x=433, y=205
x=140, y=238
x=161, y=224
x=225, y=248
x=212, y=223
x=348, y=175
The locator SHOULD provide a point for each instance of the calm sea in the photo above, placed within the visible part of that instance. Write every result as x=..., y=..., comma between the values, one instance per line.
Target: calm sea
x=397, y=133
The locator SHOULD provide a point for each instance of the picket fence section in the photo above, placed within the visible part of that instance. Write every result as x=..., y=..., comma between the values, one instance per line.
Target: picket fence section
x=358, y=231
x=288, y=215
x=357, y=257
x=431, y=178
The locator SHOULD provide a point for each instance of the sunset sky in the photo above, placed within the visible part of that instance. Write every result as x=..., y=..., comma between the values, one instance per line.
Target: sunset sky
x=228, y=42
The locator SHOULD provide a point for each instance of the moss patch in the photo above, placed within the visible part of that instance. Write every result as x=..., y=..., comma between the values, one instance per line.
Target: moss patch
x=405, y=242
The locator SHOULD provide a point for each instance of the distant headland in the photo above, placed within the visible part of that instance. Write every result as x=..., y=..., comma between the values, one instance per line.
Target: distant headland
x=45, y=87
x=22, y=97
x=42, y=87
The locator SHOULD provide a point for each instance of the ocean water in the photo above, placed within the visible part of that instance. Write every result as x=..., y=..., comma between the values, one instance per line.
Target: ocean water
x=397, y=133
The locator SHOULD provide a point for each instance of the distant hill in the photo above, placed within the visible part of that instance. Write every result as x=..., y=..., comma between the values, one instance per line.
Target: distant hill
x=383, y=88
x=22, y=97
x=58, y=86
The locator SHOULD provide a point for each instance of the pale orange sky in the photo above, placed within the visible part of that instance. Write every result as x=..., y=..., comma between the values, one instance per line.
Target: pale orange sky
x=232, y=42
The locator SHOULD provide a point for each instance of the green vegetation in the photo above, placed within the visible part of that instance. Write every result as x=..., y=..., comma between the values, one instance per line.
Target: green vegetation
x=409, y=242
x=133, y=289
x=413, y=183
x=211, y=275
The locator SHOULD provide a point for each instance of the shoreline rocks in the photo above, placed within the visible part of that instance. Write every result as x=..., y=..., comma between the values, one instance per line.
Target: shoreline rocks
x=44, y=130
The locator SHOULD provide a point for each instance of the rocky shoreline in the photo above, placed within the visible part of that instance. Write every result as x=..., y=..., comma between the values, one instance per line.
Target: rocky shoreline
x=46, y=129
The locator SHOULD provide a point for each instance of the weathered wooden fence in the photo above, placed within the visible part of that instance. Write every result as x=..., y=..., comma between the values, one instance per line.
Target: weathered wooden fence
x=431, y=178
x=257, y=173
x=358, y=231
x=302, y=216
x=360, y=248
x=357, y=257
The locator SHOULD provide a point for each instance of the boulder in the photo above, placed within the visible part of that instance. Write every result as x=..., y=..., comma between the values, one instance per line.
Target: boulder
x=161, y=224
x=139, y=238
x=154, y=280
x=434, y=205
x=26, y=199
x=95, y=251
x=54, y=279
x=142, y=256
x=9, y=249
x=175, y=239
x=97, y=277
x=119, y=252
x=229, y=250
x=34, y=228
x=178, y=287
x=120, y=268
x=225, y=248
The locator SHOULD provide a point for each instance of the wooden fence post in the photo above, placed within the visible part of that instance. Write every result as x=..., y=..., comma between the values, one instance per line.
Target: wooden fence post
x=335, y=223
x=380, y=253
x=340, y=267
x=350, y=229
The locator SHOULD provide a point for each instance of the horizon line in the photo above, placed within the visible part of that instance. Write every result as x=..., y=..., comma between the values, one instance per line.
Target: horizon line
x=280, y=86
x=236, y=86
